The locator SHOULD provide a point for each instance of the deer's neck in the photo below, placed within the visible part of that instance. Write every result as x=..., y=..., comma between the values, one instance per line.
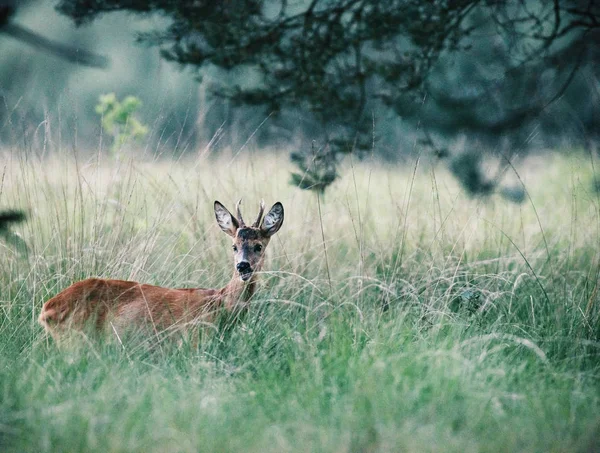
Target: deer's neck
x=237, y=292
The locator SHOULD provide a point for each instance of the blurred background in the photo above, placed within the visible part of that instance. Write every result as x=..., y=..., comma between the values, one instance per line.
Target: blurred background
x=456, y=81
x=49, y=100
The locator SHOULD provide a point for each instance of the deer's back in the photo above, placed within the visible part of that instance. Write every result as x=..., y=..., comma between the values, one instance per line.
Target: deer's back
x=97, y=301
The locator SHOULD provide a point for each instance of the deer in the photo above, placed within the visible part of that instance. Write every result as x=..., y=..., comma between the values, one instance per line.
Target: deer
x=102, y=305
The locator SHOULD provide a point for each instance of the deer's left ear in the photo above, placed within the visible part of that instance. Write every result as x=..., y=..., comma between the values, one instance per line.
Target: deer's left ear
x=272, y=221
x=226, y=221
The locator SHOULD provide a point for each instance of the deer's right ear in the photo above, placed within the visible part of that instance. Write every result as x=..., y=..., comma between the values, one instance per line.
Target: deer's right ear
x=226, y=221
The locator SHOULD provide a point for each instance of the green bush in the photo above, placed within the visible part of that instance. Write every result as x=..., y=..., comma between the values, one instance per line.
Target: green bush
x=119, y=119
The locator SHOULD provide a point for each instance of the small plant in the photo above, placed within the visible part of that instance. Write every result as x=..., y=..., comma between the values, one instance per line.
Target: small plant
x=119, y=119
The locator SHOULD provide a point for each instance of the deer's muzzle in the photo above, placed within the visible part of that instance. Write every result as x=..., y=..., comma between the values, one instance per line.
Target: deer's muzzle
x=244, y=269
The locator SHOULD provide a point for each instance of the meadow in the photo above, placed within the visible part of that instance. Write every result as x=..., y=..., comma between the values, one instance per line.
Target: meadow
x=395, y=314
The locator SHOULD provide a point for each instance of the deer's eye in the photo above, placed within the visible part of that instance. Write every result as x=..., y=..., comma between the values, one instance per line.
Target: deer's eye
x=234, y=247
x=257, y=248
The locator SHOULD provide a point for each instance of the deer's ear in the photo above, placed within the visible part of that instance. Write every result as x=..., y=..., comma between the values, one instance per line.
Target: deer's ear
x=226, y=221
x=272, y=221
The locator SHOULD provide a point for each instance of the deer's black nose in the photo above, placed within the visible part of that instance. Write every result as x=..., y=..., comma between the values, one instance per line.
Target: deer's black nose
x=243, y=267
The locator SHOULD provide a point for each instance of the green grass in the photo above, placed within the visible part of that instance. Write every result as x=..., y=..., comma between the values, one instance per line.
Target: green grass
x=433, y=323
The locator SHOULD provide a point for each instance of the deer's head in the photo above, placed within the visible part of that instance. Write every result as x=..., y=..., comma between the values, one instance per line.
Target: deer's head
x=249, y=242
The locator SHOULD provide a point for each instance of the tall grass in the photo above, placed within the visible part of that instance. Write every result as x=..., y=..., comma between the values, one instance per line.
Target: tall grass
x=449, y=325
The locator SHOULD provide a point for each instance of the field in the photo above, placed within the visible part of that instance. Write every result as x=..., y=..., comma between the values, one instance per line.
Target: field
x=396, y=314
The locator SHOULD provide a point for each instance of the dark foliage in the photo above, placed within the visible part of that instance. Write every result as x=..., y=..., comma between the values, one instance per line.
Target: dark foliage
x=14, y=239
x=466, y=169
x=317, y=170
x=8, y=217
x=341, y=60
x=6, y=11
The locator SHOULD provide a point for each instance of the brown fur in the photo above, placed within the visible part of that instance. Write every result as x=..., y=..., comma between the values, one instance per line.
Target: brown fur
x=102, y=304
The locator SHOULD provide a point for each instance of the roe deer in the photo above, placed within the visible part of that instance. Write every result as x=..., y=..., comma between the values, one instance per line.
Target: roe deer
x=104, y=303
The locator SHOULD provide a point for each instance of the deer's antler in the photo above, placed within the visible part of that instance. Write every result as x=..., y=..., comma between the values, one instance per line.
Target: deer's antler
x=260, y=213
x=239, y=213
